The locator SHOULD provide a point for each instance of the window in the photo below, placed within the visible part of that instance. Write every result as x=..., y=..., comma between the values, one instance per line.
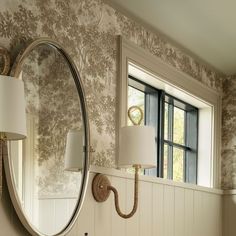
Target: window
x=165, y=88
x=176, y=128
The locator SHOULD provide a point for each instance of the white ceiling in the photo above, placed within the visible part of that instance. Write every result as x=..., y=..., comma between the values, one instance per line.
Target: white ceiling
x=206, y=28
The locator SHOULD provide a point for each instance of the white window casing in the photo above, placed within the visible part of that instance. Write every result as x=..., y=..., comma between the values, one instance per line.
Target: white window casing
x=152, y=70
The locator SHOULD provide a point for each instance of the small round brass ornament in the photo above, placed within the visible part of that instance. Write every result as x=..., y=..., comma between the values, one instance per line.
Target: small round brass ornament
x=132, y=118
x=100, y=187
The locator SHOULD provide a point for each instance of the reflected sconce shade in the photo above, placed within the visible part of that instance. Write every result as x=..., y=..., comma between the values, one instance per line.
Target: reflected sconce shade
x=13, y=115
x=136, y=149
x=74, y=151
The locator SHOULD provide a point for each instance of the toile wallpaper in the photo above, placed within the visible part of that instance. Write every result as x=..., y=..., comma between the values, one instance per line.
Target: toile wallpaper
x=89, y=31
x=228, y=133
x=53, y=108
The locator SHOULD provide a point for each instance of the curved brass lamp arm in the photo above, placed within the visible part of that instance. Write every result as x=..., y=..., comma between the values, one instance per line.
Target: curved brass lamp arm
x=135, y=206
x=101, y=189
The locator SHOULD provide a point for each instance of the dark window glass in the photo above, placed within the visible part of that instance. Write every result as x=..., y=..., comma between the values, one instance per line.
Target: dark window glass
x=176, y=125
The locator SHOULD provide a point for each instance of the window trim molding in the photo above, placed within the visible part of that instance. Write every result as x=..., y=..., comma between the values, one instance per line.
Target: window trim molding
x=131, y=53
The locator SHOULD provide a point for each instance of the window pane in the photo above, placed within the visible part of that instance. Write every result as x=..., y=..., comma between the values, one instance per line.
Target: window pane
x=165, y=162
x=178, y=164
x=136, y=98
x=166, y=123
x=179, y=126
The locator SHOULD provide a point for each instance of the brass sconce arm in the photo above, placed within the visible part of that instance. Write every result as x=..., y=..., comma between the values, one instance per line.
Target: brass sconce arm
x=101, y=188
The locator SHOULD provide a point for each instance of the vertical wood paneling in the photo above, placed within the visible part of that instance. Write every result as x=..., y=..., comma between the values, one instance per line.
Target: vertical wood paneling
x=60, y=214
x=179, y=212
x=198, y=214
x=207, y=211
x=132, y=224
x=169, y=210
x=217, y=212
x=226, y=215
x=219, y=206
x=86, y=219
x=229, y=215
x=119, y=224
x=163, y=210
x=158, y=210
x=189, y=212
x=45, y=217
x=103, y=217
x=145, y=206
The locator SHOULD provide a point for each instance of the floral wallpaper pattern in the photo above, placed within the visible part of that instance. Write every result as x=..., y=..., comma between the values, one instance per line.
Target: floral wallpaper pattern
x=53, y=108
x=228, y=134
x=89, y=30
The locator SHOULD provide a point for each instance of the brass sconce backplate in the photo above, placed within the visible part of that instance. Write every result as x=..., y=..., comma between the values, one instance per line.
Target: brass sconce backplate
x=100, y=188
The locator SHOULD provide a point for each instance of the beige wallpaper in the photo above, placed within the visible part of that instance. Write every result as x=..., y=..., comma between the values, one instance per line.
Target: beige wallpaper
x=89, y=30
x=53, y=106
x=229, y=133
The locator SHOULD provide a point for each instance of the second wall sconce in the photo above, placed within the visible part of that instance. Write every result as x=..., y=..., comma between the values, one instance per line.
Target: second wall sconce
x=136, y=149
x=12, y=108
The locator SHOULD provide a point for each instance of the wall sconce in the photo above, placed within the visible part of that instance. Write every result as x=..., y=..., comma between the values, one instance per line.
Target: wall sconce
x=74, y=151
x=137, y=149
x=12, y=107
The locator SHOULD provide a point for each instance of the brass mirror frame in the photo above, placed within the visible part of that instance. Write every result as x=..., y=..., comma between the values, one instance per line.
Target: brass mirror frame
x=15, y=71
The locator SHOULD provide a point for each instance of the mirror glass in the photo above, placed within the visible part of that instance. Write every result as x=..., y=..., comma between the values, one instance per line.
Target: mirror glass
x=48, y=190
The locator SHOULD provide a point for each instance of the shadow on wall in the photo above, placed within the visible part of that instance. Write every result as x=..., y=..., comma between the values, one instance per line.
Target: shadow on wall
x=229, y=215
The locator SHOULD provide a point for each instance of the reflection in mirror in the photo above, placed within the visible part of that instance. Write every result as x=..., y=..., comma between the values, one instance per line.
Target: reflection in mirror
x=47, y=191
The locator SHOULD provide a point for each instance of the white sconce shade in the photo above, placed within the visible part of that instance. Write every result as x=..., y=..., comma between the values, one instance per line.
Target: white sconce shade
x=12, y=107
x=137, y=147
x=74, y=151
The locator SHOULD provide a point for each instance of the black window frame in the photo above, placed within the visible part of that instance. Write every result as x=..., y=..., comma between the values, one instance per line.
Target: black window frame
x=155, y=100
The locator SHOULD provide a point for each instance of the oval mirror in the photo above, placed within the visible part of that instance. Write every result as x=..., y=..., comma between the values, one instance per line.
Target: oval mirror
x=47, y=173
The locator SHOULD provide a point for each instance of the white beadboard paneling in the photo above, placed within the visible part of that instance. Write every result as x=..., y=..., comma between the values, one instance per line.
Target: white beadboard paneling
x=165, y=209
x=207, y=212
x=158, y=209
x=198, y=214
x=47, y=216
x=169, y=207
x=219, y=206
x=61, y=214
x=217, y=212
x=132, y=224
x=189, y=212
x=103, y=217
x=86, y=219
x=118, y=224
x=229, y=215
x=179, y=216
x=145, y=209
